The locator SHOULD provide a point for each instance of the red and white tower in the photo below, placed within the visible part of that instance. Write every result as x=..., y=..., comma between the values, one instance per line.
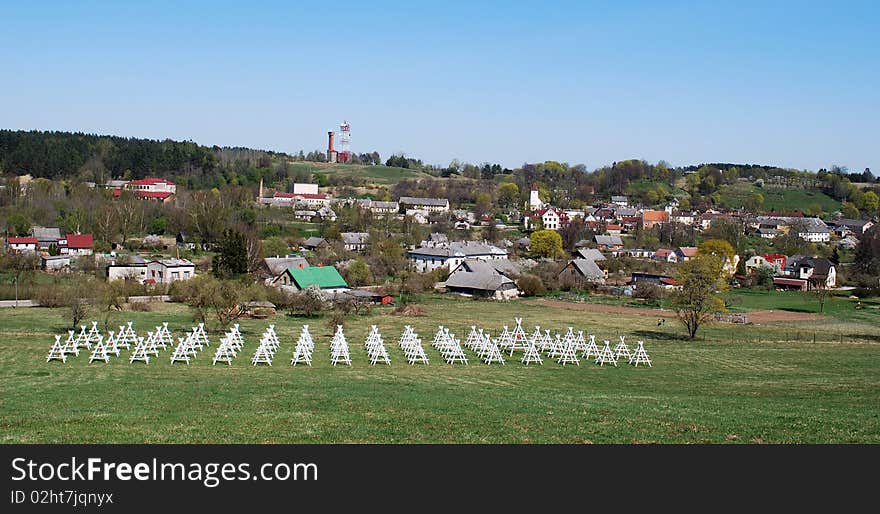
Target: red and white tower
x=344, y=141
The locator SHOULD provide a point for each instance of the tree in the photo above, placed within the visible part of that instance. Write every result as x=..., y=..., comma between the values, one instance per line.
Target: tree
x=531, y=285
x=850, y=211
x=697, y=301
x=870, y=202
x=233, y=257
x=508, y=195
x=821, y=293
x=358, y=273
x=275, y=246
x=546, y=243
x=718, y=247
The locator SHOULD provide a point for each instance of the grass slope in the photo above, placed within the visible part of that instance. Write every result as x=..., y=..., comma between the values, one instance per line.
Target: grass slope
x=382, y=175
x=777, y=199
x=748, y=384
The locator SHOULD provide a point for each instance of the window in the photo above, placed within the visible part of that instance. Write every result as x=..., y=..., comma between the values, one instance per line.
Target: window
x=175, y=275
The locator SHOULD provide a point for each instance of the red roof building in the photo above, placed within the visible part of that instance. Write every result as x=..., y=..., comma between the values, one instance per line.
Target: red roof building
x=77, y=244
x=776, y=258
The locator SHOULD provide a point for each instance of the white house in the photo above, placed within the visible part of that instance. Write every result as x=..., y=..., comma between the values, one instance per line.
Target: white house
x=813, y=230
x=133, y=267
x=166, y=271
x=429, y=258
x=551, y=218
x=22, y=244
x=425, y=204
x=355, y=241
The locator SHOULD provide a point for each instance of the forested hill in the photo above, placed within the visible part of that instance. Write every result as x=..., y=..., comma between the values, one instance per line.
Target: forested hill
x=92, y=157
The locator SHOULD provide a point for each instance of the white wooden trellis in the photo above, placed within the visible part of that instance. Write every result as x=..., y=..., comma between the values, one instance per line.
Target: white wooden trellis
x=411, y=345
x=181, y=351
x=164, y=337
x=532, y=355
x=621, y=351
x=112, y=347
x=640, y=356
x=519, y=339
x=57, y=353
x=505, y=340
x=568, y=355
x=263, y=355
x=339, y=352
x=473, y=338
x=150, y=344
x=448, y=346
x=94, y=334
x=489, y=352
x=100, y=351
x=591, y=350
x=375, y=347
x=70, y=345
x=304, y=347
x=201, y=337
x=235, y=337
x=139, y=353
x=224, y=353
x=82, y=339
x=556, y=348
x=546, y=342
x=126, y=336
x=579, y=343
x=606, y=356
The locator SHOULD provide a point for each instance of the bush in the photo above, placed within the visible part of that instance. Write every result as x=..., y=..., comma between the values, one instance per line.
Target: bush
x=530, y=285
x=140, y=306
x=647, y=291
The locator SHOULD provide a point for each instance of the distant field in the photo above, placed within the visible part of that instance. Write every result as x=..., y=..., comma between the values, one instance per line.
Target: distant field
x=383, y=175
x=777, y=199
x=737, y=384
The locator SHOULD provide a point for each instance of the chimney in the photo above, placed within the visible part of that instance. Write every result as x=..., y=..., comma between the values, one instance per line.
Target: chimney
x=330, y=135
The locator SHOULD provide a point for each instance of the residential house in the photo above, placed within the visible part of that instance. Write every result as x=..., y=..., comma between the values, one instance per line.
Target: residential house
x=814, y=230
x=613, y=229
x=326, y=278
x=384, y=208
x=355, y=241
x=272, y=267
x=638, y=253
x=46, y=236
x=326, y=213
x=819, y=272
x=314, y=242
x=166, y=271
x=651, y=219
x=155, y=189
x=686, y=253
x=435, y=238
x=490, y=279
x=128, y=267
x=590, y=254
x=305, y=215
x=583, y=270
x=608, y=243
x=663, y=281
x=850, y=226
x=55, y=263
x=418, y=215
x=424, y=204
x=665, y=255
x=22, y=244
x=757, y=262
x=776, y=259
x=76, y=244
x=620, y=200
x=429, y=258
x=550, y=218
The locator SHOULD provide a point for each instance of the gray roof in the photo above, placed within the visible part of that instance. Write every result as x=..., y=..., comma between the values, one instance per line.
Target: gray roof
x=437, y=237
x=385, y=205
x=626, y=211
x=589, y=269
x=613, y=240
x=501, y=266
x=845, y=222
x=590, y=254
x=46, y=233
x=459, y=249
x=314, y=242
x=174, y=263
x=484, y=281
x=412, y=200
x=277, y=265
x=354, y=238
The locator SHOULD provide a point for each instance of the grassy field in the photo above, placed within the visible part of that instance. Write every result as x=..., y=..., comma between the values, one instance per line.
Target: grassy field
x=382, y=175
x=737, y=384
x=777, y=199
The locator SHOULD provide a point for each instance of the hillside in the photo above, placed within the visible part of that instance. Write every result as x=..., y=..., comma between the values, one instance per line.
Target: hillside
x=379, y=174
x=778, y=198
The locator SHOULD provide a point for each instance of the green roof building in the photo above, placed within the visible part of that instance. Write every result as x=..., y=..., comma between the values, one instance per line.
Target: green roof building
x=325, y=277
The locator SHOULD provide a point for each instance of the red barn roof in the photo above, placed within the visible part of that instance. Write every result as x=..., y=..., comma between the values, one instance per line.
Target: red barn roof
x=151, y=181
x=153, y=194
x=80, y=241
x=22, y=240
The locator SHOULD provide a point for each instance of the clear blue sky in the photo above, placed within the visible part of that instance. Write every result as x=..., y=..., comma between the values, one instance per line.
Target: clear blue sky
x=793, y=84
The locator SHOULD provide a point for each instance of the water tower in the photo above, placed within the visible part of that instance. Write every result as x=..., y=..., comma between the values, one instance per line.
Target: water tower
x=344, y=142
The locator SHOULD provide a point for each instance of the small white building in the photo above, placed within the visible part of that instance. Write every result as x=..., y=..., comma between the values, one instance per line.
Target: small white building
x=166, y=271
x=425, y=204
x=132, y=267
x=22, y=244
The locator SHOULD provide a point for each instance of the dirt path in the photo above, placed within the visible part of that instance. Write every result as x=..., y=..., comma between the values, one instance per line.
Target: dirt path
x=754, y=316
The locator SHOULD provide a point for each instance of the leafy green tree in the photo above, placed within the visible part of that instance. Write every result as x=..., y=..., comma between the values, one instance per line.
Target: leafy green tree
x=546, y=243
x=870, y=202
x=358, y=273
x=275, y=246
x=698, y=300
x=18, y=225
x=718, y=247
x=233, y=256
x=850, y=211
x=508, y=195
